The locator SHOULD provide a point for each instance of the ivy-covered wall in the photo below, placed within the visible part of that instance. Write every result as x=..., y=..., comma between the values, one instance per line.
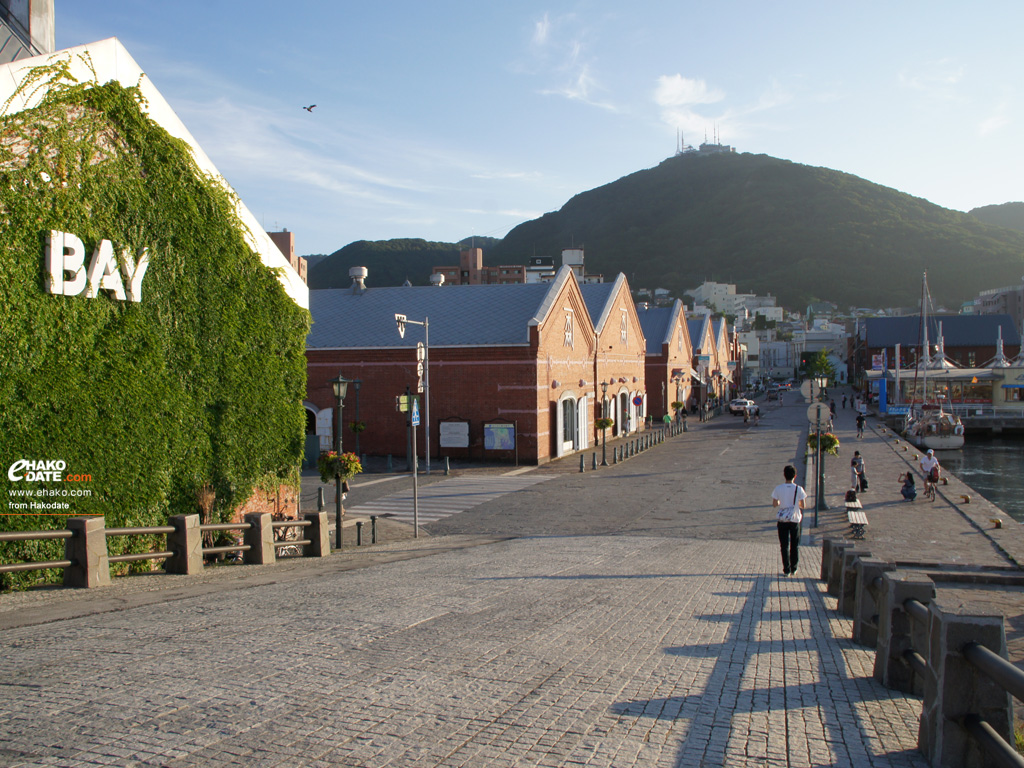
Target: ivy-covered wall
x=199, y=383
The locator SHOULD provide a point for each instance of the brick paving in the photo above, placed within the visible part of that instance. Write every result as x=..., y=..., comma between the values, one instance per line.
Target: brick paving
x=630, y=616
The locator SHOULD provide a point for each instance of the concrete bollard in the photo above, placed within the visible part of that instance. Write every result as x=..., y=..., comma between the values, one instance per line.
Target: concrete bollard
x=87, y=549
x=187, y=545
x=373, y=529
x=826, y=555
x=319, y=535
x=447, y=467
x=865, y=607
x=898, y=632
x=359, y=533
x=848, y=582
x=593, y=463
x=834, y=580
x=260, y=538
x=582, y=467
x=320, y=503
x=955, y=688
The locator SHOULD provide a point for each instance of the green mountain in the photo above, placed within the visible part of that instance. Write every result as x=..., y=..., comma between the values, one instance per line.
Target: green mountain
x=770, y=226
x=1009, y=215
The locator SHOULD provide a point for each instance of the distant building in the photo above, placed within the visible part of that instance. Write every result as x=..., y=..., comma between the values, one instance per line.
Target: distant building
x=285, y=241
x=1008, y=300
x=540, y=269
x=471, y=271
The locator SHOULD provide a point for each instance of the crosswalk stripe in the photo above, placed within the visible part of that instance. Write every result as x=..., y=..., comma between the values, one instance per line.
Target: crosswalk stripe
x=448, y=497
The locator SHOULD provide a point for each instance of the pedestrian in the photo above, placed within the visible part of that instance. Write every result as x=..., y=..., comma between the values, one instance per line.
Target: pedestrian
x=788, y=503
x=861, y=478
x=832, y=408
x=844, y=402
x=931, y=469
x=909, y=488
x=860, y=424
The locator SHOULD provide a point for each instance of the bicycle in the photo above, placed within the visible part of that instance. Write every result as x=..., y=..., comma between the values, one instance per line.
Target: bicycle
x=929, y=488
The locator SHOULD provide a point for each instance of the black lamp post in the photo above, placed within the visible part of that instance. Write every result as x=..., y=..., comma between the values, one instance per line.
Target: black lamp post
x=340, y=387
x=604, y=430
x=358, y=384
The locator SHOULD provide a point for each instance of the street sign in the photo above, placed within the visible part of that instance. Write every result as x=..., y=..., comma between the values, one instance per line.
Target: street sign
x=805, y=388
x=421, y=351
x=402, y=403
x=818, y=413
x=400, y=319
x=638, y=400
x=415, y=420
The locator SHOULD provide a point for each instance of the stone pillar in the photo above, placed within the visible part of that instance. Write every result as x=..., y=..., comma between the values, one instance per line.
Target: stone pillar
x=187, y=545
x=956, y=688
x=826, y=556
x=319, y=535
x=848, y=580
x=260, y=538
x=898, y=632
x=87, y=549
x=865, y=607
x=834, y=578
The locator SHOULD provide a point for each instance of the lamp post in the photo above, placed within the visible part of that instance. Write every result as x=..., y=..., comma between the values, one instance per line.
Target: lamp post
x=424, y=382
x=604, y=430
x=340, y=387
x=358, y=384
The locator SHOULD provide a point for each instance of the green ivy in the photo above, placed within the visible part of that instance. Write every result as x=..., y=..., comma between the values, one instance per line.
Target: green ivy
x=199, y=383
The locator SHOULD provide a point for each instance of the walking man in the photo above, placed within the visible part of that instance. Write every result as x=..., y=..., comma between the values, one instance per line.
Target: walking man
x=788, y=503
x=860, y=424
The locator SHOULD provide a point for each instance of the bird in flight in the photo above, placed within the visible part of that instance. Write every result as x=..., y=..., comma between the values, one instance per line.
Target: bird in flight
x=310, y=107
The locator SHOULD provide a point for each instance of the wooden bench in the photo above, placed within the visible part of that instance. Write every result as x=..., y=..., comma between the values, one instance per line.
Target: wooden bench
x=857, y=519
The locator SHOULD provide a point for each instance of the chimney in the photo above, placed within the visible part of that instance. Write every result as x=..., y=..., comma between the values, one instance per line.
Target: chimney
x=358, y=275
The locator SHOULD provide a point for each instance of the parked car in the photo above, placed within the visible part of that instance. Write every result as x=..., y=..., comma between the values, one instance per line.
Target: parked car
x=773, y=394
x=739, y=405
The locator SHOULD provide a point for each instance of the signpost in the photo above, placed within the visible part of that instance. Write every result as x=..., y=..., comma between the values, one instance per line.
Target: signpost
x=816, y=413
x=410, y=404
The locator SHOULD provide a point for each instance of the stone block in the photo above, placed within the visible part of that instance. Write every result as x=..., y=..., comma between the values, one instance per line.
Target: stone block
x=848, y=580
x=87, y=549
x=319, y=535
x=866, y=601
x=898, y=631
x=187, y=545
x=834, y=579
x=260, y=538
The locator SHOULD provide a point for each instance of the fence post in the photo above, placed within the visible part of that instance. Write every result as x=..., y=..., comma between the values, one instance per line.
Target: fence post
x=848, y=583
x=87, y=549
x=187, y=545
x=897, y=631
x=260, y=538
x=319, y=535
x=834, y=578
x=865, y=606
x=955, y=688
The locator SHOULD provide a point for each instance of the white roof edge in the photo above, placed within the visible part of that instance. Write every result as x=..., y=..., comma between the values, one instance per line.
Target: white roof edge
x=564, y=273
x=111, y=61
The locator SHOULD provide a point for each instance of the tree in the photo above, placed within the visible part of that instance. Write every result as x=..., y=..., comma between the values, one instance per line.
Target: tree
x=818, y=366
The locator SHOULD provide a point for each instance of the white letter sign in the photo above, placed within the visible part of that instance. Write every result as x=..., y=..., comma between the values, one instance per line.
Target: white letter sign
x=65, y=254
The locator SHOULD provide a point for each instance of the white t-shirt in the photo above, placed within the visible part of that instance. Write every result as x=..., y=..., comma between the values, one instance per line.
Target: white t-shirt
x=928, y=463
x=784, y=492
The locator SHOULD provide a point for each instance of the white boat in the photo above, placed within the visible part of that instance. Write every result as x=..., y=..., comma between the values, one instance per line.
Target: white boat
x=932, y=427
x=929, y=426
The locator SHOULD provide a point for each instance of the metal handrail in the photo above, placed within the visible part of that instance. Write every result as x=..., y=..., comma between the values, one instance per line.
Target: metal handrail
x=139, y=556
x=35, y=535
x=36, y=566
x=292, y=543
x=226, y=548
x=143, y=531
x=1002, y=672
x=916, y=609
x=225, y=527
x=291, y=523
x=994, y=745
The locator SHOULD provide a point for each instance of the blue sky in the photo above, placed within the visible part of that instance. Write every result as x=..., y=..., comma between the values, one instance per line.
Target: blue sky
x=445, y=119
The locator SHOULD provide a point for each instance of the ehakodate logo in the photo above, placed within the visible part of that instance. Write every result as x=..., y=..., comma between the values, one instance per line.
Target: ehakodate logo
x=40, y=471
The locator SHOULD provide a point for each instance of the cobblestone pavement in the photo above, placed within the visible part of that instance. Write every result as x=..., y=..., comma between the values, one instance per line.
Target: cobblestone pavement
x=629, y=616
x=553, y=651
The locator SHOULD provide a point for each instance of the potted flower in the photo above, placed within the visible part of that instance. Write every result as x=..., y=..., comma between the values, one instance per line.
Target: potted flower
x=334, y=466
x=357, y=426
x=829, y=443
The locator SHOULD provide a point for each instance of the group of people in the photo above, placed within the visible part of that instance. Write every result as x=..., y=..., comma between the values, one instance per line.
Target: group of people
x=788, y=497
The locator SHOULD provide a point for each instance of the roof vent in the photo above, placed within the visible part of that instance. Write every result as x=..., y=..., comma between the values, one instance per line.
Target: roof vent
x=437, y=279
x=358, y=275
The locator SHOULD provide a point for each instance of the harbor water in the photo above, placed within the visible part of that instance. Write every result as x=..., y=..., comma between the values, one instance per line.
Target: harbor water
x=994, y=467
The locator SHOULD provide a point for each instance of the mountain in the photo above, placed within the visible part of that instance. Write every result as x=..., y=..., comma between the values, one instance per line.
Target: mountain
x=1009, y=215
x=771, y=226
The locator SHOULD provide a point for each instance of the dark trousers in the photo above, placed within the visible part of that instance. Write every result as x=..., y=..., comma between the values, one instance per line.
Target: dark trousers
x=789, y=539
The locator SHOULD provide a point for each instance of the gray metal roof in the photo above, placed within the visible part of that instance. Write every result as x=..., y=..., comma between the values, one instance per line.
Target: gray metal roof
x=656, y=323
x=460, y=315
x=597, y=297
x=957, y=330
x=695, y=326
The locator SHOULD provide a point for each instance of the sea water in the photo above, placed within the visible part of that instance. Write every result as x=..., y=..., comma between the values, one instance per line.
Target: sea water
x=994, y=467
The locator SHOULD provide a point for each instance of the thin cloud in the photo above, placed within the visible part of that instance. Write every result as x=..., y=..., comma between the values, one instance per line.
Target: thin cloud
x=937, y=79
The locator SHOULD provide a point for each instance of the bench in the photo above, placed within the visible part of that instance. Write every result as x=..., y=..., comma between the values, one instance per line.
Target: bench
x=857, y=519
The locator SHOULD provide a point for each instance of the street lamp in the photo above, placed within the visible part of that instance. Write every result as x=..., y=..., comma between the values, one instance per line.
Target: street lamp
x=424, y=382
x=604, y=430
x=357, y=430
x=340, y=387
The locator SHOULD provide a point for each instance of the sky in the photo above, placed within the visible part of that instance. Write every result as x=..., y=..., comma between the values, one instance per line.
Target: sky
x=453, y=118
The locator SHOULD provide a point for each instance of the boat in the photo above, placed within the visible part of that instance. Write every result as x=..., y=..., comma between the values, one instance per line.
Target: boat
x=929, y=425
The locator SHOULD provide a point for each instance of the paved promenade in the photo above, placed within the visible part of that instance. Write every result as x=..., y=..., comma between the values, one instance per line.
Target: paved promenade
x=632, y=616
